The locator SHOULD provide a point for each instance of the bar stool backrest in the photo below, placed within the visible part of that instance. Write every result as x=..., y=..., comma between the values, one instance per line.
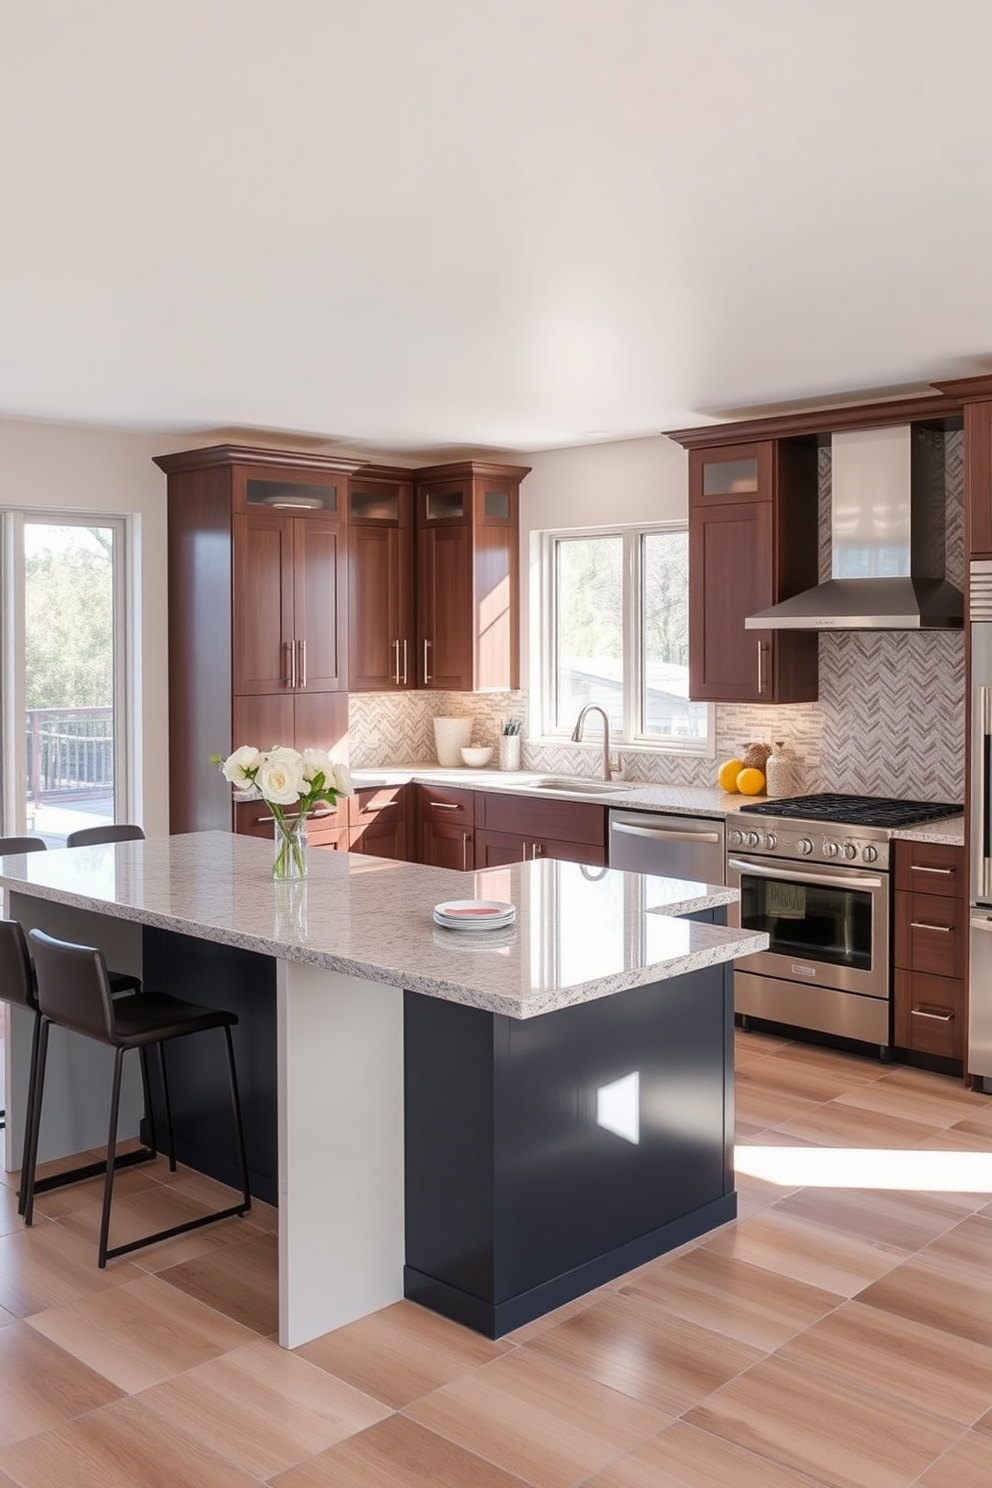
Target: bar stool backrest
x=73, y=988
x=109, y=832
x=17, y=983
x=21, y=845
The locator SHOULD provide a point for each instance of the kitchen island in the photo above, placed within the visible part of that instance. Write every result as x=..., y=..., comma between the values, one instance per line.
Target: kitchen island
x=488, y=1124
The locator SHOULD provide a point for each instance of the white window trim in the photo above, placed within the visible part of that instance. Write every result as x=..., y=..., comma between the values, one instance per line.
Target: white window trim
x=13, y=520
x=628, y=741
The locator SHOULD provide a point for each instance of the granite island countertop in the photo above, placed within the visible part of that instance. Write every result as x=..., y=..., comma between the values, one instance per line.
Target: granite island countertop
x=580, y=933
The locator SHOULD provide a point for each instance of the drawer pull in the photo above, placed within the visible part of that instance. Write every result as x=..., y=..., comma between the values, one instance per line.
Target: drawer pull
x=922, y=868
x=937, y=1017
x=444, y=806
x=920, y=925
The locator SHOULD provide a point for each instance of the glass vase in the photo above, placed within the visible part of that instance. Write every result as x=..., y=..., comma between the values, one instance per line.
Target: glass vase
x=290, y=861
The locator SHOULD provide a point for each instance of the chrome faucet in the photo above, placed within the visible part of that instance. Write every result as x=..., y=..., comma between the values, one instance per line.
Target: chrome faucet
x=577, y=735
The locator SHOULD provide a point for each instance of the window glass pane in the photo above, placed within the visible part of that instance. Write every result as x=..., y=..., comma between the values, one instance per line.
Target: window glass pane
x=68, y=677
x=665, y=707
x=589, y=629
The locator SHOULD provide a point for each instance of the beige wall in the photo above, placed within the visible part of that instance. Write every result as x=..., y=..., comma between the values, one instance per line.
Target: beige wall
x=633, y=480
x=58, y=468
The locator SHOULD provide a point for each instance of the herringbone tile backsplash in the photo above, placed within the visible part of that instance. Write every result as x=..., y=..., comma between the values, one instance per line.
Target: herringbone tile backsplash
x=890, y=718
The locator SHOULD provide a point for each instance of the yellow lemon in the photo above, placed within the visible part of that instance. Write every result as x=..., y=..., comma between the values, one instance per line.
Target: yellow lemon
x=728, y=773
x=750, y=782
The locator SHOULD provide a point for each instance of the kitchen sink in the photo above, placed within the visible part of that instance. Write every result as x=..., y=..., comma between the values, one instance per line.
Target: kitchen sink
x=583, y=787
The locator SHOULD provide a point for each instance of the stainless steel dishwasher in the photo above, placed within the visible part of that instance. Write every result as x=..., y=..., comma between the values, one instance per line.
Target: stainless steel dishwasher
x=674, y=846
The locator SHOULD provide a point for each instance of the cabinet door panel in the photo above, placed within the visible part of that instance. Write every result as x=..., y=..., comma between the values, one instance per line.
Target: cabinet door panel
x=263, y=602
x=978, y=477
x=445, y=600
x=495, y=849
x=264, y=720
x=318, y=605
x=730, y=569
x=320, y=721
x=376, y=635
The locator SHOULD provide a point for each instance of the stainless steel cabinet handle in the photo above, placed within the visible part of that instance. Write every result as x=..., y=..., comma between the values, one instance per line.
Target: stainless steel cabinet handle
x=921, y=868
x=664, y=835
x=937, y=1017
x=464, y=852
x=396, y=662
x=922, y=925
x=303, y=663
x=406, y=675
x=427, y=675
x=291, y=678
x=760, y=678
x=444, y=805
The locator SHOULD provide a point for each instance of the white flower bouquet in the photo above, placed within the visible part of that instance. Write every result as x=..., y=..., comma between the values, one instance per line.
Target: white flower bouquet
x=283, y=777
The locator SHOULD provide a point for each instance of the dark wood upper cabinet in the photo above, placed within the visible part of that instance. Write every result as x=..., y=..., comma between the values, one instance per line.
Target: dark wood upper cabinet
x=257, y=613
x=467, y=565
x=381, y=636
x=753, y=538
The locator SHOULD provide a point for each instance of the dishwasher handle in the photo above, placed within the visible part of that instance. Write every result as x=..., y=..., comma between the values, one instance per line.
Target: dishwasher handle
x=664, y=834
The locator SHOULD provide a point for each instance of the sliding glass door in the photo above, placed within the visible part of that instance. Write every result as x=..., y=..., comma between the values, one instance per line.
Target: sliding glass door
x=63, y=673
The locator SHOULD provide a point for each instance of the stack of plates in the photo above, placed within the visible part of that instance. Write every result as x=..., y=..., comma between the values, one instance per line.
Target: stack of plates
x=474, y=914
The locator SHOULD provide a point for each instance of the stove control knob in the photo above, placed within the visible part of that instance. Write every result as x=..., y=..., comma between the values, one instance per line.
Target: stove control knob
x=870, y=854
x=850, y=850
x=804, y=847
x=752, y=839
x=830, y=849
x=771, y=841
x=736, y=838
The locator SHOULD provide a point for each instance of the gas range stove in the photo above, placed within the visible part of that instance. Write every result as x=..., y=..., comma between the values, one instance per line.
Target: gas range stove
x=829, y=827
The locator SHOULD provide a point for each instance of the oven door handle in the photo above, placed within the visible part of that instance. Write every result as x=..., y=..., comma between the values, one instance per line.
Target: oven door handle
x=857, y=880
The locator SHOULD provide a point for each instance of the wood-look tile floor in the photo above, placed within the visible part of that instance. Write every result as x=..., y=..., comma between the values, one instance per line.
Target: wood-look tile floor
x=838, y=1333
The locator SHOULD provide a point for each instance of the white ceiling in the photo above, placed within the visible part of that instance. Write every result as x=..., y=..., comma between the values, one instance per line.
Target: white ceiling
x=420, y=225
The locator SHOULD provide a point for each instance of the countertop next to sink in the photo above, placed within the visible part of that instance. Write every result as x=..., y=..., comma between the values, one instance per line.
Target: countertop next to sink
x=684, y=800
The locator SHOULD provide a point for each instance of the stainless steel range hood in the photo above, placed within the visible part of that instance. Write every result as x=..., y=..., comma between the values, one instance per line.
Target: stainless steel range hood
x=887, y=540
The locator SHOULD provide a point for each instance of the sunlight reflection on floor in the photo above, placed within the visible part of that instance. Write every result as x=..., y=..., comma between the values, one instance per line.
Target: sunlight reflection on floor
x=867, y=1167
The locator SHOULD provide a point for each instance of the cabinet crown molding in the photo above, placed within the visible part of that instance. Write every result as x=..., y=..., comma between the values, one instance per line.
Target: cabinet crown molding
x=251, y=454
x=941, y=409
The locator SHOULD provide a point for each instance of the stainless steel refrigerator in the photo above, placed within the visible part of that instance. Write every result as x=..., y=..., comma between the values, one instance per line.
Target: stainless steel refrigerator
x=980, y=826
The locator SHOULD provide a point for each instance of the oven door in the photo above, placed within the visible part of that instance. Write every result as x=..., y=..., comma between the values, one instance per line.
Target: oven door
x=827, y=926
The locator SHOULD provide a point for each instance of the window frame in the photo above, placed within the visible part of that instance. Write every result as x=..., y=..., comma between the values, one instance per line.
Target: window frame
x=13, y=786
x=631, y=736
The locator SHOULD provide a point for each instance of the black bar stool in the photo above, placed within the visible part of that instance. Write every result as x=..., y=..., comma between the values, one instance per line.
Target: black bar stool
x=17, y=845
x=110, y=832
x=18, y=987
x=120, y=981
x=74, y=992
x=21, y=845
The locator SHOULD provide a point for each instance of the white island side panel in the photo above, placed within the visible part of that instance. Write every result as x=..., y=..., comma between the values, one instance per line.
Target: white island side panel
x=340, y=1073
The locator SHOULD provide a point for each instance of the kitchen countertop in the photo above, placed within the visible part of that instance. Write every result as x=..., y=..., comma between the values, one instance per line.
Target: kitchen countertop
x=948, y=830
x=685, y=800
x=581, y=933
x=681, y=800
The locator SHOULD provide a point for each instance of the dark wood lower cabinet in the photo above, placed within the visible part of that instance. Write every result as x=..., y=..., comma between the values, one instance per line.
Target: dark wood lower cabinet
x=929, y=950
x=446, y=826
x=495, y=849
x=378, y=823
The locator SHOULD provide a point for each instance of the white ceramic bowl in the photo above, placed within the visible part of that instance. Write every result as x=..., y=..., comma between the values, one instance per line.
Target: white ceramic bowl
x=476, y=758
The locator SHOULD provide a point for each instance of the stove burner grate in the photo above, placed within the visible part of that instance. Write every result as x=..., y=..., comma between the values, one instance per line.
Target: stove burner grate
x=846, y=810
